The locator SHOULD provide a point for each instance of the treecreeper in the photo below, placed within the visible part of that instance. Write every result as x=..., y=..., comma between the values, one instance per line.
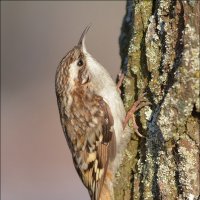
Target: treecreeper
x=93, y=119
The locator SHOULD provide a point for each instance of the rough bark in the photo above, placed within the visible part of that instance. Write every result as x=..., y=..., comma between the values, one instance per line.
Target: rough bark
x=160, y=55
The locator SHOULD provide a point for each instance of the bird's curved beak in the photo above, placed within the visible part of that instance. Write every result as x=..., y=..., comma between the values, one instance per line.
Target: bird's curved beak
x=81, y=42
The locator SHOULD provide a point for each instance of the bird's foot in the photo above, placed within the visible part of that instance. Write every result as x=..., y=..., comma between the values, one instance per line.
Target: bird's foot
x=141, y=102
x=120, y=80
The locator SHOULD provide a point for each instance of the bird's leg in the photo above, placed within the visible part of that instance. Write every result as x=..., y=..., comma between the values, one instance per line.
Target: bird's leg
x=141, y=102
x=120, y=80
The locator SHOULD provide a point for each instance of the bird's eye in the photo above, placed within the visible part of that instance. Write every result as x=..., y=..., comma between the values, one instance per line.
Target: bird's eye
x=80, y=63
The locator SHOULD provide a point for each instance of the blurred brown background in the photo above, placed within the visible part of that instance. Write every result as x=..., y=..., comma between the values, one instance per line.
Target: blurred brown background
x=35, y=159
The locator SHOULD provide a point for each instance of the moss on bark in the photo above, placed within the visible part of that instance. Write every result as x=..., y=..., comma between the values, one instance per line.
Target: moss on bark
x=163, y=60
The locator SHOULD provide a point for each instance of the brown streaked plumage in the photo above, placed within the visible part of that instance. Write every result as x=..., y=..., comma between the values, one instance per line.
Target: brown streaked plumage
x=92, y=114
x=90, y=136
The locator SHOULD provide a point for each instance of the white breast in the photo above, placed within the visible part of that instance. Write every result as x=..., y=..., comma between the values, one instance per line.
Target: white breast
x=106, y=88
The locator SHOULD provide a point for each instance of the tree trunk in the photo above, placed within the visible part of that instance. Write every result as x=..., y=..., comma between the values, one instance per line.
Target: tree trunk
x=160, y=55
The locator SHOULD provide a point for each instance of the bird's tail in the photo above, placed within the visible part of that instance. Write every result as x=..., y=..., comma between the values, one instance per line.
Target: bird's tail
x=107, y=192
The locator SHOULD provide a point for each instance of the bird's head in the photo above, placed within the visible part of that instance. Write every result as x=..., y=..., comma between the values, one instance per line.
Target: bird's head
x=73, y=67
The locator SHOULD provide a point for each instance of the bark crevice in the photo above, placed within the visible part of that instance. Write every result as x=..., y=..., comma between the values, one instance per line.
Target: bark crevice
x=162, y=46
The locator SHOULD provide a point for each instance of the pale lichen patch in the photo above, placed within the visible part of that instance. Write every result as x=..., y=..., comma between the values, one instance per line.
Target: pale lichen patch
x=164, y=61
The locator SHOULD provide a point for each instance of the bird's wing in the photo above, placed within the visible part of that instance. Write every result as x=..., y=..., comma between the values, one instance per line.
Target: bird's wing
x=91, y=161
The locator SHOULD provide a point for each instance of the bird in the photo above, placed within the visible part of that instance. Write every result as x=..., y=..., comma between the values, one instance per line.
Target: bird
x=92, y=116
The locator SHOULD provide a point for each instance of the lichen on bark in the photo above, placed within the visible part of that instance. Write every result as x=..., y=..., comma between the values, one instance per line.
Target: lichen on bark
x=162, y=60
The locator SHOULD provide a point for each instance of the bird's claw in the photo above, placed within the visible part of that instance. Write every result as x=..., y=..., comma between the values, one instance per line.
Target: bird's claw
x=141, y=102
x=120, y=80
